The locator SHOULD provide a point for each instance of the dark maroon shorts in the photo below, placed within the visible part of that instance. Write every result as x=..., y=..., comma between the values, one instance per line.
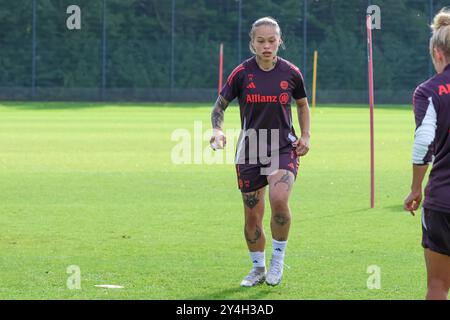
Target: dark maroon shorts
x=436, y=231
x=252, y=177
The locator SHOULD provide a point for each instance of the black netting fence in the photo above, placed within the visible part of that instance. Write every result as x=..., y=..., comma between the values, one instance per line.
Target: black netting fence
x=168, y=50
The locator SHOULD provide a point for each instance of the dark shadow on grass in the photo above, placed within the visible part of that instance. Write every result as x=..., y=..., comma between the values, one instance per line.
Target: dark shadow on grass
x=340, y=213
x=398, y=208
x=253, y=293
x=366, y=209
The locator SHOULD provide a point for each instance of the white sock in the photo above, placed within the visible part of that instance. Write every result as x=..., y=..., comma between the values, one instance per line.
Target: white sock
x=258, y=259
x=278, y=248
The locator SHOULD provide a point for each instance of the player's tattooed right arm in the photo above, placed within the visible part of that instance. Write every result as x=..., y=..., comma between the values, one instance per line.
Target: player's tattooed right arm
x=217, y=114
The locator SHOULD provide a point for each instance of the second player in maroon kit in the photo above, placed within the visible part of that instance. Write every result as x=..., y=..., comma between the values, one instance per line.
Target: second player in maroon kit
x=268, y=147
x=431, y=103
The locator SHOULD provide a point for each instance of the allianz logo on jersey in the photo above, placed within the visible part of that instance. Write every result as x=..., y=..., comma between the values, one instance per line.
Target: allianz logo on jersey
x=444, y=89
x=258, y=98
x=252, y=98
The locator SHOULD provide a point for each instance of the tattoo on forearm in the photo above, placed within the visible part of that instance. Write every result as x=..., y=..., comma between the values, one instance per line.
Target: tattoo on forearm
x=251, y=199
x=286, y=178
x=217, y=114
x=255, y=238
x=281, y=218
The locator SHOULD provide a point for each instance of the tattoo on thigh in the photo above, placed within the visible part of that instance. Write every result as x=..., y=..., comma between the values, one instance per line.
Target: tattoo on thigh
x=281, y=219
x=251, y=199
x=286, y=178
x=255, y=238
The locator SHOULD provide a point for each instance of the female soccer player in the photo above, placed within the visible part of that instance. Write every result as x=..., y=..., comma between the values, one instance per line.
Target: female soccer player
x=268, y=148
x=432, y=145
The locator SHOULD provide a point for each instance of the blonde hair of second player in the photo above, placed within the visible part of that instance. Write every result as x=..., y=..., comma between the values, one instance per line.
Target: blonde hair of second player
x=441, y=32
x=266, y=21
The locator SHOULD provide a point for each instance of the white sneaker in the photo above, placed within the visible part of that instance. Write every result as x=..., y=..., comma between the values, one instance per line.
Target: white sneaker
x=275, y=272
x=255, y=277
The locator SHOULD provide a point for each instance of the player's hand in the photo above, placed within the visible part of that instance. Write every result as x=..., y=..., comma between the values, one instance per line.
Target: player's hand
x=412, y=201
x=218, y=140
x=301, y=146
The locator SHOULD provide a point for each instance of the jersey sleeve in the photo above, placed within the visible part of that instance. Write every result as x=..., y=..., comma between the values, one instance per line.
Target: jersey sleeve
x=232, y=87
x=299, y=91
x=426, y=123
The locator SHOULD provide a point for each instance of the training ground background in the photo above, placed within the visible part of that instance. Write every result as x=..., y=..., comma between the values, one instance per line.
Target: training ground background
x=94, y=186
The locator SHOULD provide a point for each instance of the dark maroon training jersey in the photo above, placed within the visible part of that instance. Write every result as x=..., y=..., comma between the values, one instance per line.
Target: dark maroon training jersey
x=265, y=99
x=432, y=138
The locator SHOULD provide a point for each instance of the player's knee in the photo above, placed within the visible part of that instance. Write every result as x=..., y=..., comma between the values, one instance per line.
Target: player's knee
x=253, y=219
x=281, y=218
x=279, y=203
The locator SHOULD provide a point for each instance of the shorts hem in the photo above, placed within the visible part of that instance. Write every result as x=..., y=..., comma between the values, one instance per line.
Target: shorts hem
x=434, y=207
x=435, y=231
x=436, y=249
x=253, y=189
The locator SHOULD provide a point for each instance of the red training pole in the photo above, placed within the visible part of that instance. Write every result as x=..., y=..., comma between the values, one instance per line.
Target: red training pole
x=220, y=67
x=371, y=102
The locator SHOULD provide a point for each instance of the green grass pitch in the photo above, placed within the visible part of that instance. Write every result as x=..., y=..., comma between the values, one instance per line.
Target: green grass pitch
x=93, y=185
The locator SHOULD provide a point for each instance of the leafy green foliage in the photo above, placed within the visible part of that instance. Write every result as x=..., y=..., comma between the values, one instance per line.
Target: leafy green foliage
x=138, y=42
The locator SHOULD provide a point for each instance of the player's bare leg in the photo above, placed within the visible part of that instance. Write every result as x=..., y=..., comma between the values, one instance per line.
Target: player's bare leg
x=254, y=235
x=438, y=275
x=280, y=185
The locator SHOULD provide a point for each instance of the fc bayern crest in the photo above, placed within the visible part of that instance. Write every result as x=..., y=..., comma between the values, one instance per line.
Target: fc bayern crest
x=284, y=85
x=284, y=98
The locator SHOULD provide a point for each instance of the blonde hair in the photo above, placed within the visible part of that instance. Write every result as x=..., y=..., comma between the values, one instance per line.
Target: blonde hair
x=441, y=32
x=265, y=21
